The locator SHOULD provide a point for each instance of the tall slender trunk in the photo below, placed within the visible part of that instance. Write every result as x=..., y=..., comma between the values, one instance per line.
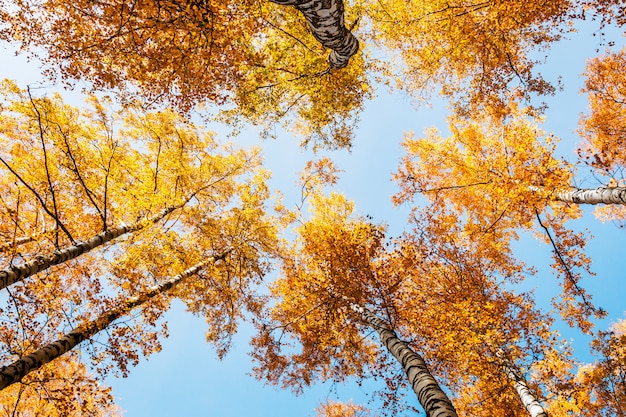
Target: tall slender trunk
x=19, y=369
x=530, y=401
x=18, y=273
x=528, y=398
x=326, y=19
x=602, y=195
x=430, y=395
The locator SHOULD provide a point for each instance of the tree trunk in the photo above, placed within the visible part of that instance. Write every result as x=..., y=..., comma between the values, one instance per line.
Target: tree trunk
x=430, y=395
x=15, y=274
x=17, y=370
x=529, y=400
x=602, y=195
x=326, y=20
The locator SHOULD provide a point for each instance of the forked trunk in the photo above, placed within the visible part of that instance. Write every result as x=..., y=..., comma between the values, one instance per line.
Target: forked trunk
x=19, y=273
x=326, y=19
x=429, y=394
x=19, y=369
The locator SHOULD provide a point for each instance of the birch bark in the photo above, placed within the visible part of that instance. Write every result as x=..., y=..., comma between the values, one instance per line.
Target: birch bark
x=13, y=274
x=429, y=394
x=19, y=369
x=326, y=20
x=602, y=195
x=530, y=401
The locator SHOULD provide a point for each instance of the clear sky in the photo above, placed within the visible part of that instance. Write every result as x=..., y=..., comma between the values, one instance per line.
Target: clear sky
x=186, y=379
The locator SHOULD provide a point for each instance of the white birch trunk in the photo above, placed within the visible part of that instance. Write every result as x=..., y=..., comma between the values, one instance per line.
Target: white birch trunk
x=19, y=369
x=326, y=20
x=429, y=394
x=602, y=195
x=530, y=401
x=18, y=273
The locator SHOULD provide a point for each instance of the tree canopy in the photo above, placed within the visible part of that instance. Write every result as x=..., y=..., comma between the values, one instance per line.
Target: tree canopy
x=258, y=59
x=112, y=209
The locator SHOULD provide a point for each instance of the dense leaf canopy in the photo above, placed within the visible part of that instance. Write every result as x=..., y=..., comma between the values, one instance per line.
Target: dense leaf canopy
x=111, y=210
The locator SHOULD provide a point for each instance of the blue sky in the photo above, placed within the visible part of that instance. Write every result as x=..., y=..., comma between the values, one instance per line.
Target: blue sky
x=186, y=379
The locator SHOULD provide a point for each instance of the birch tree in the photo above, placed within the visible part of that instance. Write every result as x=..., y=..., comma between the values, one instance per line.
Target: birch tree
x=528, y=398
x=320, y=306
x=184, y=196
x=266, y=68
x=452, y=316
x=326, y=20
x=13, y=274
x=273, y=64
x=316, y=301
x=501, y=178
x=17, y=370
x=74, y=167
x=429, y=393
x=483, y=337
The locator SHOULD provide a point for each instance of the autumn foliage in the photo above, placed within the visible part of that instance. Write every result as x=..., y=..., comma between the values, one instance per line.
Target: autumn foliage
x=499, y=178
x=604, y=128
x=111, y=210
x=89, y=178
x=336, y=409
x=64, y=388
x=256, y=58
